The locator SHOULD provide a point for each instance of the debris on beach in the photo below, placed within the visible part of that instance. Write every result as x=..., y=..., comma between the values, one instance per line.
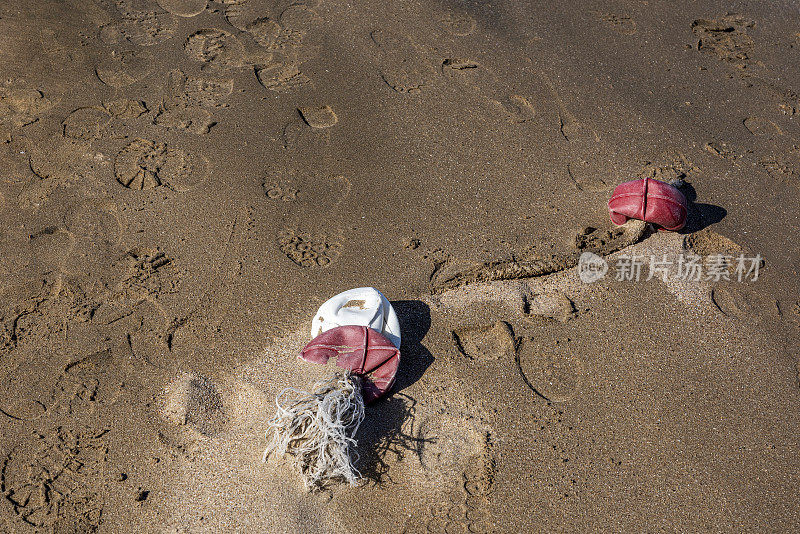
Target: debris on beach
x=360, y=331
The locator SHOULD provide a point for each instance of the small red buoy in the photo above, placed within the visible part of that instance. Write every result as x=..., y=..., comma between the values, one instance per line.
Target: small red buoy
x=361, y=350
x=649, y=200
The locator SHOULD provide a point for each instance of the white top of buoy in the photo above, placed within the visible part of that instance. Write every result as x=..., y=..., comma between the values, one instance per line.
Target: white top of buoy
x=363, y=306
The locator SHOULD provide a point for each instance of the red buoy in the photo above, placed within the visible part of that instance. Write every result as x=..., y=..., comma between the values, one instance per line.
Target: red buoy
x=359, y=349
x=649, y=200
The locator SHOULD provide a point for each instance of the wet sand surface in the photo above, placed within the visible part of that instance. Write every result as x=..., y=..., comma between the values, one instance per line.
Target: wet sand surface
x=183, y=183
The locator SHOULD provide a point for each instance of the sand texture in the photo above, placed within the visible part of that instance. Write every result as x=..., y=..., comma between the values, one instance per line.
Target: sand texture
x=184, y=182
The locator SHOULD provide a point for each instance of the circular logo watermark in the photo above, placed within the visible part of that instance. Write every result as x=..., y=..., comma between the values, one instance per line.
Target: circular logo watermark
x=591, y=267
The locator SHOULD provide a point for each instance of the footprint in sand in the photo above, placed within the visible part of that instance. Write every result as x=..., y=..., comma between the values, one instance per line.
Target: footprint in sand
x=187, y=100
x=707, y=242
x=318, y=116
x=141, y=24
x=277, y=191
x=146, y=274
x=125, y=108
x=309, y=250
x=215, y=48
x=283, y=186
x=471, y=77
x=103, y=285
x=479, y=472
x=516, y=108
x=487, y=342
x=272, y=30
x=737, y=301
x=273, y=36
x=722, y=150
x=458, y=24
x=190, y=119
x=401, y=66
x=183, y=8
x=244, y=13
x=53, y=481
x=281, y=76
x=725, y=38
x=761, y=127
x=59, y=162
x=622, y=24
x=191, y=410
x=26, y=390
x=461, y=69
x=447, y=440
x=28, y=260
x=455, y=446
x=86, y=124
x=285, y=46
x=550, y=305
x=300, y=16
x=145, y=164
x=123, y=68
x=89, y=383
x=299, y=136
x=197, y=90
x=96, y=232
x=21, y=105
x=553, y=370
x=781, y=168
x=304, y=241
x=588, y=174
x=571, y=128
x=95, y=222
x=194, y=401
x=668, y=169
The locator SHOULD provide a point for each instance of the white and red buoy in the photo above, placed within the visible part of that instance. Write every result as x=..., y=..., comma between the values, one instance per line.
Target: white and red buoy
x=317, y=428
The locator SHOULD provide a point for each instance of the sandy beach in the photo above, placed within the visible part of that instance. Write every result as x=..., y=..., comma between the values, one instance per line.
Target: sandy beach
x=184, y=182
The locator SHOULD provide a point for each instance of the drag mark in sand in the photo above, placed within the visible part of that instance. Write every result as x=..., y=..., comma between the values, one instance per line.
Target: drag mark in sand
x=597, y=242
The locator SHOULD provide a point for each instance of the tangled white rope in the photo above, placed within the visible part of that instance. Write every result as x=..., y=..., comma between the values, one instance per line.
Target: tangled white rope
x=317, y=429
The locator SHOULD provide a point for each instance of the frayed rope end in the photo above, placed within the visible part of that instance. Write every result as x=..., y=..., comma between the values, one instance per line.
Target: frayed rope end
x=317, y=429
